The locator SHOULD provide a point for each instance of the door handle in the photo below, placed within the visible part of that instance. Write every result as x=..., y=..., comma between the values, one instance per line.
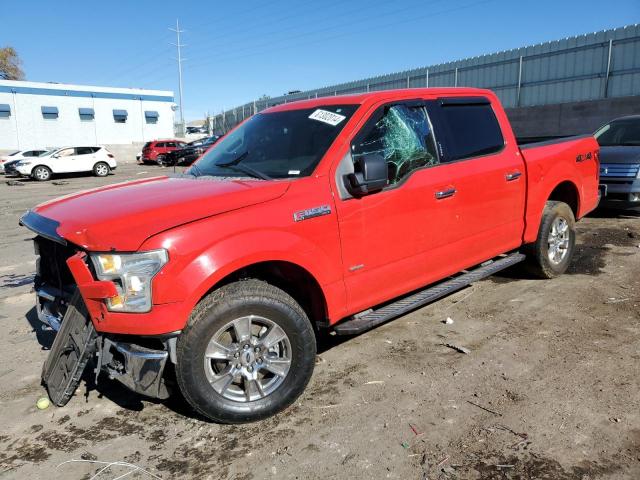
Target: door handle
x=450, y=192
x=513, y=176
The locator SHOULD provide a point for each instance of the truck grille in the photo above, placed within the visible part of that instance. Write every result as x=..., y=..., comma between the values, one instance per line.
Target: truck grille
x=619, y=170
x=52, y=263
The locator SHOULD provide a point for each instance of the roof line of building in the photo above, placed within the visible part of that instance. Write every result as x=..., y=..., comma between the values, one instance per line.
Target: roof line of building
x=70, y=92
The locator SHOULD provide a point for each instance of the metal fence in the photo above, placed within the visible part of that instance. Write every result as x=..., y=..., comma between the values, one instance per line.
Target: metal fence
x=587, y=67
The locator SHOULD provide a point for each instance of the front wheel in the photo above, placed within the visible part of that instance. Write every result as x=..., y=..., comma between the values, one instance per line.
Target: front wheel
x=247, y=353
x=41, y=173
x=160, y=159
x=101, y=169
x=551, y=254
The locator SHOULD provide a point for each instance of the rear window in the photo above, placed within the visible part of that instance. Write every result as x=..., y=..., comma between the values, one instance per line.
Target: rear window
x=469, y=129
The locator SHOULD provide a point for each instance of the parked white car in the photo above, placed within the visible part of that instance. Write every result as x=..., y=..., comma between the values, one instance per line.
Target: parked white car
x=19, y=155
x=97, y=159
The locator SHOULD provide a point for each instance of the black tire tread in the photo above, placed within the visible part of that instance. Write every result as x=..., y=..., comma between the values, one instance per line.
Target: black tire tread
x=537, y=263
x=96, y=166
x=243, y=289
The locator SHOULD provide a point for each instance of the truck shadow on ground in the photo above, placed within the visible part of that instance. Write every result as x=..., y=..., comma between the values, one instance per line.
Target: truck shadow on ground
x=44, y=336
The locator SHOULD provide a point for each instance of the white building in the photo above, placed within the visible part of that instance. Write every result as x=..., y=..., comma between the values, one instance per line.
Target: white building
x=42, y=115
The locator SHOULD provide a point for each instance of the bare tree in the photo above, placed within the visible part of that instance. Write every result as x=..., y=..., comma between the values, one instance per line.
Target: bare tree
x=10, y=64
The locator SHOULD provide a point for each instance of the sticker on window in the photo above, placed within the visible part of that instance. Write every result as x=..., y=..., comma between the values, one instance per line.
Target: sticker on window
x=325, y=116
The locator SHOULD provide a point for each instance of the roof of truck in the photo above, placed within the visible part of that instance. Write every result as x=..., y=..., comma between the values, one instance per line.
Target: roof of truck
x=361, y=98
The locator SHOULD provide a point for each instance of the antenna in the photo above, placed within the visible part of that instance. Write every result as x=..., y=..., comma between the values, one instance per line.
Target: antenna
x=179, y=46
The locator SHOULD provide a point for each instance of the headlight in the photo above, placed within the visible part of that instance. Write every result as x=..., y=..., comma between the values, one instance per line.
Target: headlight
x=132, y=273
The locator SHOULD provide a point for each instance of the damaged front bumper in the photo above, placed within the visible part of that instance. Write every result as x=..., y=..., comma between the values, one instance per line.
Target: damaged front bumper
x=137, y=361
x=138, y=367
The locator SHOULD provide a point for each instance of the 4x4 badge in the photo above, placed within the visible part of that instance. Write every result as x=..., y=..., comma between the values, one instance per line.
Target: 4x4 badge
x=312, y=212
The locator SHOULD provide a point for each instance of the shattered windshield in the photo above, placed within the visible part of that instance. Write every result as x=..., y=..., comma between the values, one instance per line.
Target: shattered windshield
x=285, y=144
x=620, y=133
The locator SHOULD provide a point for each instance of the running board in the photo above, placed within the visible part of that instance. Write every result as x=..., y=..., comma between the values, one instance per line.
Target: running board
x=370, y=319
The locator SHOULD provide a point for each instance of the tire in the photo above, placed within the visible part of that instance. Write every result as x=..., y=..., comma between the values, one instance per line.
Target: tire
x=101, y=169
x=41, y=173
x=551, y=254
x=218, y=387
x=160, y=160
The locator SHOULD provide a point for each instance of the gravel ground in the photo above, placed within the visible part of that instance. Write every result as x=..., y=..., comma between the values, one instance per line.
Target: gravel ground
x=550, y=388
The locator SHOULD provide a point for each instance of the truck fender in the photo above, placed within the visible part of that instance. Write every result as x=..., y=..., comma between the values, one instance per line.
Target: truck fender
x=234, y=253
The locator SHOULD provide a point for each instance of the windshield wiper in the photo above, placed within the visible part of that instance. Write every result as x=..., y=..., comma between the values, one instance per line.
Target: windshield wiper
x=235, y=165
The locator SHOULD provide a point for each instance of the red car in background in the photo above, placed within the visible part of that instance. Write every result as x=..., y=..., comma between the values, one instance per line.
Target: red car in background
x=157, y=150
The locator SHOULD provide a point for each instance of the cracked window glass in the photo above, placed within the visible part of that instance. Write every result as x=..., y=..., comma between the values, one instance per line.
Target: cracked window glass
x=403, y=136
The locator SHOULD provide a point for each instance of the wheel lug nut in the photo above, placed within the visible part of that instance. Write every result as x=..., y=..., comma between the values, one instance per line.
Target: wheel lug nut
x=235, y=355
x=238, y=365
x=257, y=350
x=246, y=347
x=260, y=360
x=250, y=369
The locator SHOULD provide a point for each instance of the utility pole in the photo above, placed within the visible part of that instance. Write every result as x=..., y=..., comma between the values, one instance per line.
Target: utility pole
x=179, y=46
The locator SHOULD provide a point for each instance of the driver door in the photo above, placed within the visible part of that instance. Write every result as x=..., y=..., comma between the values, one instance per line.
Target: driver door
x=389, y=238
x=64, y=161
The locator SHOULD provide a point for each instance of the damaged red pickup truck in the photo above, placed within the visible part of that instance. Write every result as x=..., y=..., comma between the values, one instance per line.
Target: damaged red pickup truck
x=334, y=214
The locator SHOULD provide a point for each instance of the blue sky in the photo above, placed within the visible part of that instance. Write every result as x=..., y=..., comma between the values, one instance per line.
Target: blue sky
x=238, y=51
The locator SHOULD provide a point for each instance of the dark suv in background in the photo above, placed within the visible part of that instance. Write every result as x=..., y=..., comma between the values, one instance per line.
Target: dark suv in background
x=191, y=151
x=620, y=162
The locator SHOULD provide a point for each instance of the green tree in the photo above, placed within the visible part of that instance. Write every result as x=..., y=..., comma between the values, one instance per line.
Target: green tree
x=10, y=64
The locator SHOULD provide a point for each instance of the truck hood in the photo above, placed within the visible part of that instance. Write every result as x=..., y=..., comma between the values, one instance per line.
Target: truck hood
x=620, y=155
x=122, y=216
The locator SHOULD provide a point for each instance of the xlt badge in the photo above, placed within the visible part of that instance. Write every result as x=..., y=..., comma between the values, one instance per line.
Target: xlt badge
x=312, y=212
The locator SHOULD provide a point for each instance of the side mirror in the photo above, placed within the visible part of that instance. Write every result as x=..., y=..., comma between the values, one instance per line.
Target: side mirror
x=55, y=155
x=370, y=175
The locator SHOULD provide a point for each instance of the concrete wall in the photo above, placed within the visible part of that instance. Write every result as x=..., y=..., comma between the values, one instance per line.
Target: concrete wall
x=25, y=127
x=573, y=118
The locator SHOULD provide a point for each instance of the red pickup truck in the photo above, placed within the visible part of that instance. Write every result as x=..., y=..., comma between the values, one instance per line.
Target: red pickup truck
x=335, y=214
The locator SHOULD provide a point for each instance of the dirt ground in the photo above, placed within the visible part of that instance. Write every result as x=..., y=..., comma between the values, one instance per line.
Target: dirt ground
x=549, y=390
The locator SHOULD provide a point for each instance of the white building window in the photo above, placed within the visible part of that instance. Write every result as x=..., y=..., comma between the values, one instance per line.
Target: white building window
x=49, y=113
x=5, y=110
x=120, y=116
x=86, y=114
x=151, y=116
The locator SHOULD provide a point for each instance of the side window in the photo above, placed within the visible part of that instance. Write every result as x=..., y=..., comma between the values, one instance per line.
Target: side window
x=468, y=129
x=84, y=151
x=160, y=145
x=67, y=152
x=403, y=136
x=170, y=145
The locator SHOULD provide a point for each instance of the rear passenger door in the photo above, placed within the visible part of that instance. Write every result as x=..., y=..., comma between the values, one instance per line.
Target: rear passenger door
x=85, y=159
x=488, y=179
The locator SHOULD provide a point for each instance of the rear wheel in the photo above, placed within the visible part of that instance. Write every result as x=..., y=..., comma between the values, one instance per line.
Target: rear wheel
x=247, y=353
x=101, y=169
x=551, y=254
x=41, y=173
x=160, y=159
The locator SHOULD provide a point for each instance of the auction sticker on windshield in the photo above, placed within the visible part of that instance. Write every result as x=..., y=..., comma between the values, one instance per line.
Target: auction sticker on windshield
x=327, y=117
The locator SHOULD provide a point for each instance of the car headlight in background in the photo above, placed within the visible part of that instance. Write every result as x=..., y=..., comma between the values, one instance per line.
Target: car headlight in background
x=132, y=274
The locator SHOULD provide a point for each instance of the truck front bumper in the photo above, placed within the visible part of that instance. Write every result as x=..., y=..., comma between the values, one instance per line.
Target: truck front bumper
x=138, y=367
x=130, y=359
